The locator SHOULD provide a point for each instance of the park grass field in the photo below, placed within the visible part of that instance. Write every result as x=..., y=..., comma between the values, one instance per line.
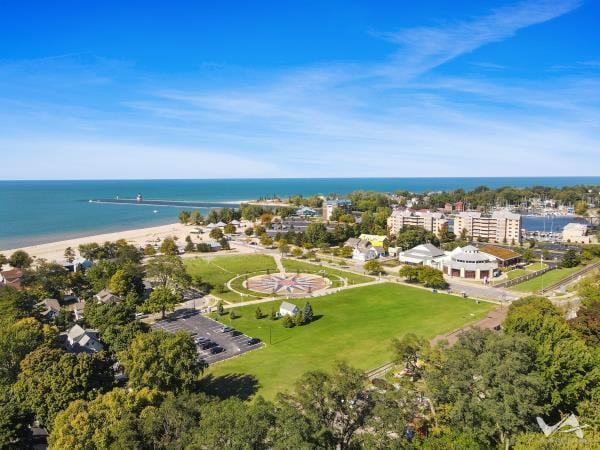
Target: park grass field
x=546, y=279
x=356, y=325
x=292, y=265
x=219, y=270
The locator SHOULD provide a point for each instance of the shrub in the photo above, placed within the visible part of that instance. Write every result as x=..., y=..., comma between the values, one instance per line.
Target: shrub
x=288, y=322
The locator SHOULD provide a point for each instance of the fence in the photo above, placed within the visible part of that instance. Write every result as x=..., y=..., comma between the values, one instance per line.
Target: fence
x=522, y=278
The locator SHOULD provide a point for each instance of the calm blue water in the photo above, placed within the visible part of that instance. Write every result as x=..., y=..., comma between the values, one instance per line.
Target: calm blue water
x=33, y=212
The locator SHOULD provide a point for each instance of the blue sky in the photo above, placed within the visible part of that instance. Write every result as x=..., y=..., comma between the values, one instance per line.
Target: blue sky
x=153, y=89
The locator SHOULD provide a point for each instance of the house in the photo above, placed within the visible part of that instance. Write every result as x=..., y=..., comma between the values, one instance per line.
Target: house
x=77, y=264
x=378, y=242
x=423, y=255
x=49, y=308
x=220, y=224
x=214, y=244
x=235, y=223
x=330, y=205
x=81, y=340
x=288, y=309
x=304, y=211
x=11, y=278
x=468, y=262
x=362, y=250
x=105, y=296
x=505, y=256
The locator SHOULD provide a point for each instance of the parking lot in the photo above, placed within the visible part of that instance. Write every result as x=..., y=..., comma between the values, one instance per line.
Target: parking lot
x=212, y=342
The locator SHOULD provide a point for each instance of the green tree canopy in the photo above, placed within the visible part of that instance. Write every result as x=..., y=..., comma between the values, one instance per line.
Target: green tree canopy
x=50, y=379
x=163, y=361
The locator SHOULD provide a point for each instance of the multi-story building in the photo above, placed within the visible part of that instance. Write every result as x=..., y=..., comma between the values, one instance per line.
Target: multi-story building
x=430, y=221
x=330, y=205
x=576, y=233
x=500, y=226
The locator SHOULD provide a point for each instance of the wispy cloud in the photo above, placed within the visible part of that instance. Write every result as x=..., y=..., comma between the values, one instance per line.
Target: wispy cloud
x=424, y=48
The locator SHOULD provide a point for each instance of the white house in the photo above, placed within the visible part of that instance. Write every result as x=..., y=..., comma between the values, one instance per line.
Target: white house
x=80, y=340
x=304, y=211
x=49, y=308
x=362, y=250
x=288, y=309
x=424, y=254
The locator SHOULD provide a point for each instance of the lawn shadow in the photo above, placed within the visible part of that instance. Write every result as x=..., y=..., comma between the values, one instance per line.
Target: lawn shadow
x=239, y=385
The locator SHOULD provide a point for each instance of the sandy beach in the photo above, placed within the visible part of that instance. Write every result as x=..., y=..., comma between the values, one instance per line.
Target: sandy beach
x=54, y=251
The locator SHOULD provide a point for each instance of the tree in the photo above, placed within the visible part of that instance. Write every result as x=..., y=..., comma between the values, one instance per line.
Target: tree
x=220, y=309
x=307, y=313
x=265, y=240
x=373, y=266
x=163, y=361
x=65, y=377
x=20, y=259
x=169, y=247
x=229, y=228
x=297, y=252
x=111, y=420
x=258, y=313
x=3, y=260
x=287, y=322
x=14, y=422
x=69, y=255
x=189, y=245
x=587, y=323
x=581, y=208
x=432, y=278
x=570, y=259
x=233, y=424
x=249, y=231
x=184, y=217
x=528, y=255
x=333, y=406
x=125, y=280
x=283, y=247
x=19, y=339
x=562, y=357
x=99, y=274
x=215, y=233
x=316, y=234
x=407, y=350
x=410, y=273
x=168, y=271
x=196, y=217
x=149, y=250
x=487, y=384
x=162, y=299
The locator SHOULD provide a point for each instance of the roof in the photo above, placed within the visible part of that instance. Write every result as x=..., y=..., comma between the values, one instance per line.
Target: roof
x=235, y=222
x=499, y=252
x=373, y=238
x=423, y=251
x=504, y=214
x=50, y=305
x=575, y=227
x=12, y=277
x=352, y=242
x=288, y=307
x=105, y=296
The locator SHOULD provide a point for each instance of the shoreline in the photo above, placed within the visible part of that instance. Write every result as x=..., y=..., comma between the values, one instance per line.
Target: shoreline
x=54, y=251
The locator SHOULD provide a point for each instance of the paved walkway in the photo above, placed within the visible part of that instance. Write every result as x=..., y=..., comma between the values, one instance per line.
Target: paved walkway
x=279, y=264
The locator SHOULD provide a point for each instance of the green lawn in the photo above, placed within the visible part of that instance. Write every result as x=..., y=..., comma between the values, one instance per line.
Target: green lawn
x=219, y=270
x=356, y=325
x=535, y=266
x=291, y=265
x=546, y=279
x=516, y=273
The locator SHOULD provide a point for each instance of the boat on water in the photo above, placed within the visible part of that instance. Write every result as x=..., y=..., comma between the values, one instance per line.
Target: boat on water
x=155, y=211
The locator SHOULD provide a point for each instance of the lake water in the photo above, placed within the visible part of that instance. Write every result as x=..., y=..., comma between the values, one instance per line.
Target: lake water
x=33, y=212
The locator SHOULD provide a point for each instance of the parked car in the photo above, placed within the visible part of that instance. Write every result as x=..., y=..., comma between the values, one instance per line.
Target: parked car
x=216, y=350
x=207, y=344
x=252, y=341
x=227, y=329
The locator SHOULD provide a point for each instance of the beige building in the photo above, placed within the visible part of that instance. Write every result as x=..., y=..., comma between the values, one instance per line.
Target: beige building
x=330, y=205
x=500, y=226
x=405, y=218
x=576, y=233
